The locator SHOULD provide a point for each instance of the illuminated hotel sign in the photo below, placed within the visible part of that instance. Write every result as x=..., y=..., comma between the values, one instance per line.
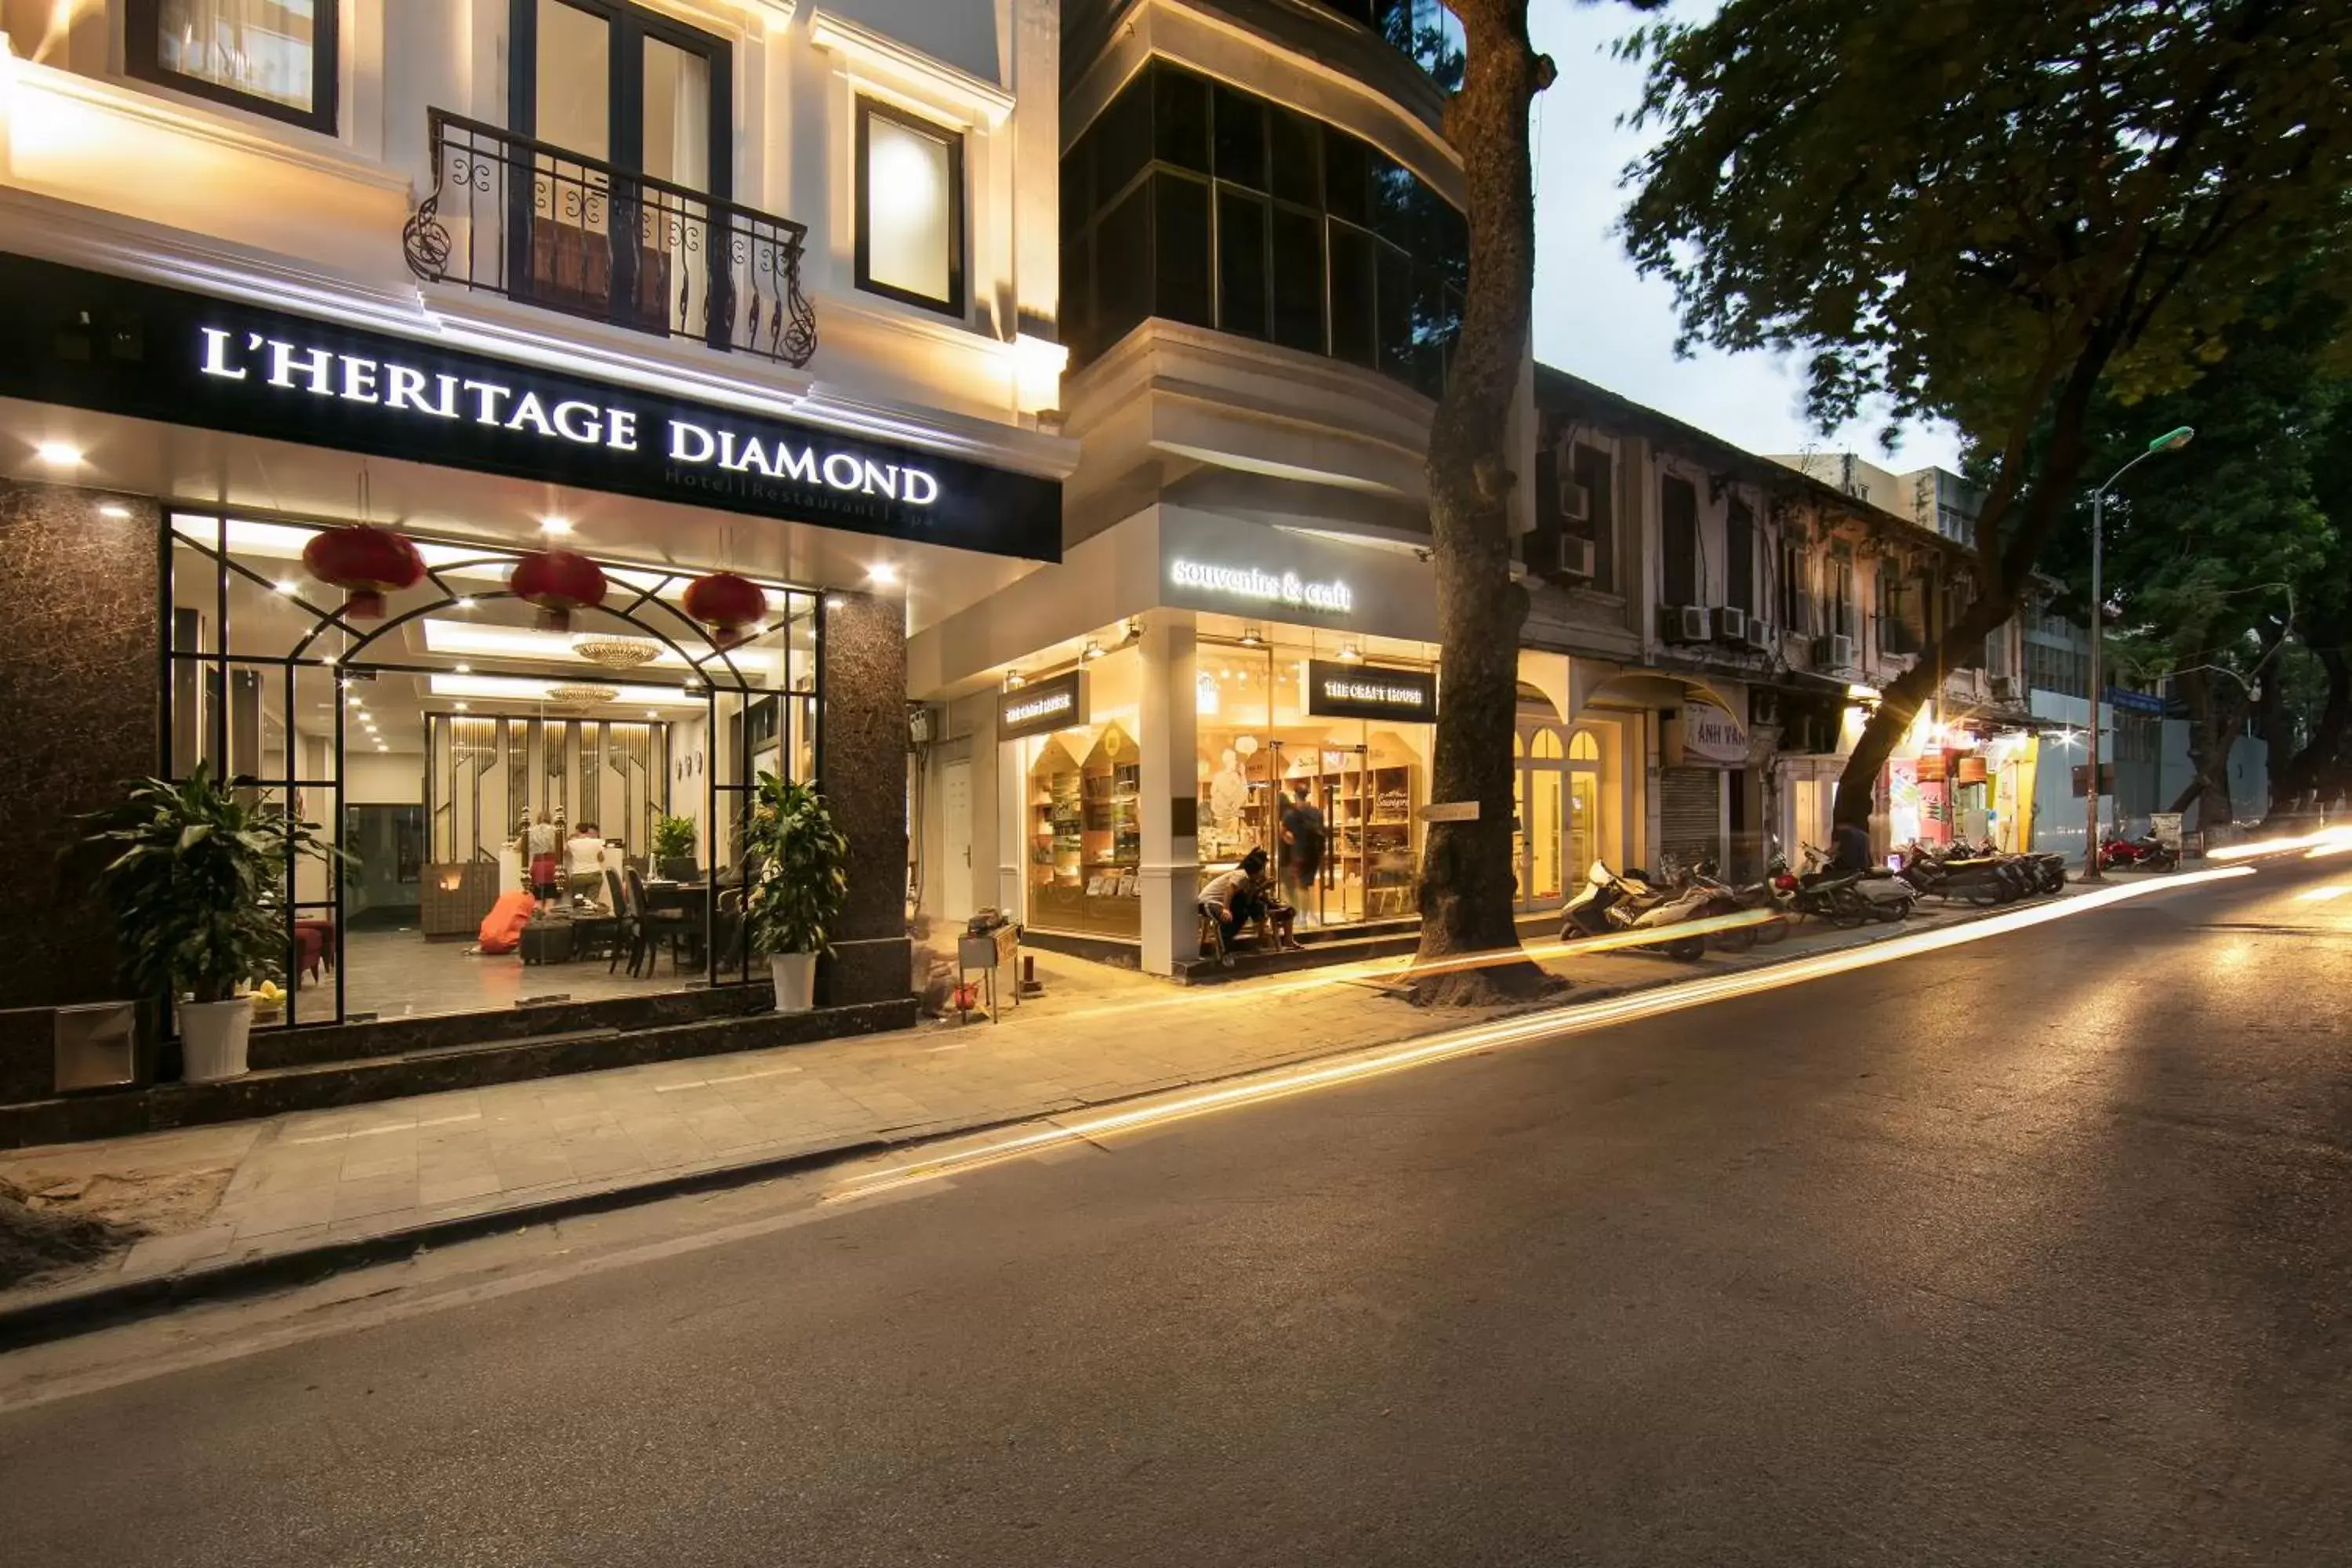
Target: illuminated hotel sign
x=92, y=341
x=1337, y=688
x=1042, y=707
x=1281, y=589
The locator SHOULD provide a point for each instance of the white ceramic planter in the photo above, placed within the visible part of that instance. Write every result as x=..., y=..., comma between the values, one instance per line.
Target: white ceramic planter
x=795, y=976
x=212, y=1037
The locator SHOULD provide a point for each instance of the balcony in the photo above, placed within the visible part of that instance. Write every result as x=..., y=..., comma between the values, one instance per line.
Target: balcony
x=512, y=216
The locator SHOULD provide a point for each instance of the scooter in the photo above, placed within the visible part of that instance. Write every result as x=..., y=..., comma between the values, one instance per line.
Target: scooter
x=1957, y=874
x=2146, y=853
x=1632, y=903
x=1883, y=895
x=1829, y=897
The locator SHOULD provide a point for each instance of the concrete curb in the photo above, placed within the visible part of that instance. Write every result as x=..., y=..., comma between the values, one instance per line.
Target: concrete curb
x=72, y=1311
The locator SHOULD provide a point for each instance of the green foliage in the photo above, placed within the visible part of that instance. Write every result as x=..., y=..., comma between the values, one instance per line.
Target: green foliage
x=1947, y=205
x=803, y=868
x=197, y=883
x=673, y=839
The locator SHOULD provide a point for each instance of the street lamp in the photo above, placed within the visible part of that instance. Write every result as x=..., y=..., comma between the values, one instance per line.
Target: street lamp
x=2170, y=441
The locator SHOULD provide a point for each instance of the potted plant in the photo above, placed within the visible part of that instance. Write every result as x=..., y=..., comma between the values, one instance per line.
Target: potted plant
x=198, y=884
x=674, y=847
x=800, y=881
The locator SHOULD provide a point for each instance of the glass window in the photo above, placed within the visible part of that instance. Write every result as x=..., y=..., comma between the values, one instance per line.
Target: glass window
x=1078, y=297
x=909, y=209
x=572, y=73
x=1595, y=469
x=1123, y=267
x=1242, y=305
x=1297, y=158
x=1740, y=557
x=1346, y=172
x=1180, y=245
x=273, y=56
x=1394, y=312
x=1353, y=287
x=1240, y=138
x=1299, y=280
x=1179, y=118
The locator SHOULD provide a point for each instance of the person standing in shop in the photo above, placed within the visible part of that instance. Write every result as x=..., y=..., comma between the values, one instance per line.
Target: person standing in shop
x=540, y=841
x=1302, y=848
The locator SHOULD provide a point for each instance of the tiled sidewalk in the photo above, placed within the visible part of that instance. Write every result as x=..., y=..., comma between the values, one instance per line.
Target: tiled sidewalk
x=316, y=1178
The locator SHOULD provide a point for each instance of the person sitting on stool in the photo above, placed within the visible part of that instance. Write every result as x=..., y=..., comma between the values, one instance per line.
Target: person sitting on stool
x=1242, y=895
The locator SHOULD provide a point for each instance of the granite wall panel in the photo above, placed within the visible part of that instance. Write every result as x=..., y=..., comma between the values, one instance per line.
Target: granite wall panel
x=79, y=704
x=865, y=781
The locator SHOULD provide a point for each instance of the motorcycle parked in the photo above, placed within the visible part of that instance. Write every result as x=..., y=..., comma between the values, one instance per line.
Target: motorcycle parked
x=1634, y=902
x=1883, y=895
x=1829, y=897
x=2144, y=853
x=1730, y=899
x=1961, y=872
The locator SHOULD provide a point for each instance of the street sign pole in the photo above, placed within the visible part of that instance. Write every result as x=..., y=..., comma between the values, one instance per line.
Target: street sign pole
x=2091, y=872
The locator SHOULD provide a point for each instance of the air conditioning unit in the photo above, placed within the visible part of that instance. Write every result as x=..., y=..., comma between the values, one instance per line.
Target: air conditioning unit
x=1575, y=502
x=1730, y=623
x=1833, y=652
x=1759, y=635
x=1683, y=623
x=1573, y=563
x=2004, y=688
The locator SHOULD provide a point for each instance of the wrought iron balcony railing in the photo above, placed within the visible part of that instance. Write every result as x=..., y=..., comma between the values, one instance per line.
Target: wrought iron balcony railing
x=533, y=222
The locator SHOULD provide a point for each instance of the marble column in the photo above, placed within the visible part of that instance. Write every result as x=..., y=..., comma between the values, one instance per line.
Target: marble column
x=1170, y=790
x=864, y=767
x=80, y=652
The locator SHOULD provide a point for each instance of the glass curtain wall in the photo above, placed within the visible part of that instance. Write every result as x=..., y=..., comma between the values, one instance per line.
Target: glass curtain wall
x=460, y=746
x=1196, y=202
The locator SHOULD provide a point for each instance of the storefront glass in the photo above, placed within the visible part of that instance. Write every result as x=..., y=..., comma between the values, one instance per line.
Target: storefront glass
x=1263, y=753
x=445, y=744
x=1082, y=829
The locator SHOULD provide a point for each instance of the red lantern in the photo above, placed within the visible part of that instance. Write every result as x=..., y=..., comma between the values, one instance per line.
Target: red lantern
x=366, y=562
x=558, y=583
x=728, y=605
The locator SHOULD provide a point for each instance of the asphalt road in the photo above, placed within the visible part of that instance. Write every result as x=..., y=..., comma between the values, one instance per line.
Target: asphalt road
x=2035, y=1250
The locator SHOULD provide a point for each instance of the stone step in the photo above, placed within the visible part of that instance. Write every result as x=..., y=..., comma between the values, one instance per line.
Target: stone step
x=426, y=1069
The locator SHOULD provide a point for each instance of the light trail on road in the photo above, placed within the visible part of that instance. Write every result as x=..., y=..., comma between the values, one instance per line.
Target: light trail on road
x=1574, y=1018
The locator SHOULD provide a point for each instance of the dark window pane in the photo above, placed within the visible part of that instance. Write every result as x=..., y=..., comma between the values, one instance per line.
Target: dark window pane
x=1679, y=516
x=1345, y=174
x=1395, y=313
x=1352, y=295
x=1399, y=205
x=1297, y=280
x=1240, y=138
x=1123, y=266
x=1180, y=234
x=1739, y=558
x=1592, y=468
x=1079, y=298
x=1241, y=264
x=1078, y=186
x=1298, y=159
x=1122, y=138
x=1179, y=116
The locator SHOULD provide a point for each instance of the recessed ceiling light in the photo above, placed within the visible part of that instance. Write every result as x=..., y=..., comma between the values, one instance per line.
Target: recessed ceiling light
x=357, y=706
x=651, y=714
x=287, y=586
x=114, y=509
x=459, y=706
x=556, y=525
x=463, y=668
x=467, y=603
x=882, y=574
x=58, y=454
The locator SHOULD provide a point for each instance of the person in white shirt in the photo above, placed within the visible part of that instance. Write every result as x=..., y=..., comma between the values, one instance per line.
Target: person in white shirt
x=585, y=858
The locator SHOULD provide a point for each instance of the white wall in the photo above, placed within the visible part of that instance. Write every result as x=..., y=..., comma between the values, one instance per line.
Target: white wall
x=386, y=778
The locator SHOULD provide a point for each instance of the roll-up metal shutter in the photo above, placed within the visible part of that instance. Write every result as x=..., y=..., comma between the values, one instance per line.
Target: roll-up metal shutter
x=1690, y=815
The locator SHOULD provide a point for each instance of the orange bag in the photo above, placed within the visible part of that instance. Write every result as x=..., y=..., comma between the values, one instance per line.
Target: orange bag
x=502, y=930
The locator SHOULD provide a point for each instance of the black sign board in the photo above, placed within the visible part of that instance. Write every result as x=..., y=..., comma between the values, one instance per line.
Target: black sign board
x=1041, y=707
x=1337, y=688
x=92, y=341
x=2082, y=778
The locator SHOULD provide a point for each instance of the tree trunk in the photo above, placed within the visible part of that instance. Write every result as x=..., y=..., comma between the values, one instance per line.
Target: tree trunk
x=2296, y=788
x=2211, y=733
x=1468, y=885
x=1900, y=702
x=2278, y=744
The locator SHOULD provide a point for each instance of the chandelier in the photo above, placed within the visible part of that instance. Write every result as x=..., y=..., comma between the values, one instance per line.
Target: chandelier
x=616, y=652
x=581, y=696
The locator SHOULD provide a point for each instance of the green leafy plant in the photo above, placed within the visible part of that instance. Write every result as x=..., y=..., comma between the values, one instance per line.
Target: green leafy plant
x=673, y=839
x=197, y=884
x=803, y=879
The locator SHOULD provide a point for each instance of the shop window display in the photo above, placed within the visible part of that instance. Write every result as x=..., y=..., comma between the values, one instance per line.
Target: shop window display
x=1259, y=746
x=1083, y=825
